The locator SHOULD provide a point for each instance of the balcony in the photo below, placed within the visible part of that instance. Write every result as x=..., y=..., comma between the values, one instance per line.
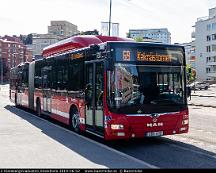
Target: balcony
x=211, y=74
x=211, y=63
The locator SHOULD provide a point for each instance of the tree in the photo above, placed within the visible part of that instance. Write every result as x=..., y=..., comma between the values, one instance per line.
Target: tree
x=29, y=39
x=94, y=32
x=191, y=73
x=138, y=39
x=128, y=35
x=26, y=39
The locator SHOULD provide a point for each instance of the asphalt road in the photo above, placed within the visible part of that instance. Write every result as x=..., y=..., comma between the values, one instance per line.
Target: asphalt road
x=197, y=149
x=30, y=142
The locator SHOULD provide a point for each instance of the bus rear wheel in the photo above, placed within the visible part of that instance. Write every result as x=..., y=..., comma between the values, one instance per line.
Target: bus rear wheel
x=38, y=108
x=15, y=100
x=75, y=121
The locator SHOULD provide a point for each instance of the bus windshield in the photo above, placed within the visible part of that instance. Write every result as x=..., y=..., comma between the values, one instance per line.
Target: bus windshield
x=136, y=89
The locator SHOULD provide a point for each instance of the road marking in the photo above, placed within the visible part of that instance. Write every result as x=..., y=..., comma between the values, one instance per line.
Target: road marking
x=97, y=143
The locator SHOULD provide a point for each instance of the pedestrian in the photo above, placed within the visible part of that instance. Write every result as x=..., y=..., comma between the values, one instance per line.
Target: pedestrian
x=189, y=92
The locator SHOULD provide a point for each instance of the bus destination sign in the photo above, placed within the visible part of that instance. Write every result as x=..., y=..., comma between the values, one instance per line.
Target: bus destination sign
x=150, y=55
x=141, y=56
x=77, y=56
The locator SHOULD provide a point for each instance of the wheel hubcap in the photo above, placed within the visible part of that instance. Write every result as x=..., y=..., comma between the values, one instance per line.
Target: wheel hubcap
x=75, y=121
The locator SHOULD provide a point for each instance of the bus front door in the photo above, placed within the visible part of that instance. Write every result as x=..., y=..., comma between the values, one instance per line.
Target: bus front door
x=94, y=97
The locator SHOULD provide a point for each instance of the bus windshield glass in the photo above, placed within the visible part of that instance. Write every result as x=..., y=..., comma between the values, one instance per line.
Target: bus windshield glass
x=135, y=89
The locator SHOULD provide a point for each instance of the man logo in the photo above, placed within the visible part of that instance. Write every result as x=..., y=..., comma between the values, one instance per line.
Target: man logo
x=155, y=115
x=139, y=111
x=154, y=120
x=154, y=125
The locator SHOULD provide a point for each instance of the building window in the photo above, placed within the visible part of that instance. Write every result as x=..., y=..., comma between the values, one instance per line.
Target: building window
x=208, y=38
x=213, y=25
x=208, y=48
x=214, y=58
x=208, y=27
x=214, y=48
x=213, y=36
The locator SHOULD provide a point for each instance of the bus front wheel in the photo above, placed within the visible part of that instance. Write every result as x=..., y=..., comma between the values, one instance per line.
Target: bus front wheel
x=15, y=100
x=75, y=121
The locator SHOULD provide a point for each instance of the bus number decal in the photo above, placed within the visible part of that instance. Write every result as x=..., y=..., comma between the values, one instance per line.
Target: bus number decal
x=126, y=55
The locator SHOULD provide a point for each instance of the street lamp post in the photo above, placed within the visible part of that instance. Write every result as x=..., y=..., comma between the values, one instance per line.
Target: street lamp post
x=110, y=16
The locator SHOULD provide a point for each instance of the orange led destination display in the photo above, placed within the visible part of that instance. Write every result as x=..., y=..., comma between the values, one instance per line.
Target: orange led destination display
x=77, y=55
x=141, y=56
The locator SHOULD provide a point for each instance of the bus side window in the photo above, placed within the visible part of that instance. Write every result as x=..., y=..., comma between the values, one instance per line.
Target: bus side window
x=76, y=76
x=59, y=77
x=38, y=77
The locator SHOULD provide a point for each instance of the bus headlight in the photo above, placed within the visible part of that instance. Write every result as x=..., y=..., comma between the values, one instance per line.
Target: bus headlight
x=185, y=122
x=117, y=126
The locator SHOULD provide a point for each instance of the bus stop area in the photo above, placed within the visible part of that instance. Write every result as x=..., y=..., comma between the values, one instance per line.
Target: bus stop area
x=27, y=141
x=206, y=98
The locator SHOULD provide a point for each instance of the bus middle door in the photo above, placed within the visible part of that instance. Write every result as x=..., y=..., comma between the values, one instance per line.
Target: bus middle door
x=94, y=72
x=46, y=72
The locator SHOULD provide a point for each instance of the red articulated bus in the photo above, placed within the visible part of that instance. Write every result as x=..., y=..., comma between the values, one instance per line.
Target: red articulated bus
x=108, y=86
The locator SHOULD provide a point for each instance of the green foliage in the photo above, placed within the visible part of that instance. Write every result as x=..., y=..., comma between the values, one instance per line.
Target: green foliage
x=138, y=39
x=191, y=73
x=94, y=32
x=26, y=39
x=128, y=35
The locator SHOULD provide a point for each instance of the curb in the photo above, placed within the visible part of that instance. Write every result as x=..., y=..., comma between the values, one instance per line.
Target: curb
x=202, y=96
x=192, y=104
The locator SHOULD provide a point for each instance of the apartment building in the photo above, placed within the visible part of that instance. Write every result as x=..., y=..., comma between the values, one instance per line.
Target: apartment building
x=190, y=53
x=40, y=41
x=205, y=45
x=63, y=29
x=161, y=34
x=12, y=53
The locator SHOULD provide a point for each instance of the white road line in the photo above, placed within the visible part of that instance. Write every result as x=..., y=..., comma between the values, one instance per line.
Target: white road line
x=97, y=143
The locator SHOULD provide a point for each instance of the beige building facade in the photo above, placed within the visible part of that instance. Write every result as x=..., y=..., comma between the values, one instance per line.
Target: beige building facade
x=63, y=29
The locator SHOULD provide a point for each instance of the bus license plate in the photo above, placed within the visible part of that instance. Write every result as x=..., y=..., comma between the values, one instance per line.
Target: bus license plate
x=154, y=134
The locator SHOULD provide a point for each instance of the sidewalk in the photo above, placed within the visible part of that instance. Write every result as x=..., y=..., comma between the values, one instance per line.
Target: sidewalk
x=4, y=87
x=206, y=98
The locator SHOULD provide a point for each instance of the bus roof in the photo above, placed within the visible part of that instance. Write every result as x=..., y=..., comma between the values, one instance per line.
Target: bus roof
x=76, y=42
x=148, y=44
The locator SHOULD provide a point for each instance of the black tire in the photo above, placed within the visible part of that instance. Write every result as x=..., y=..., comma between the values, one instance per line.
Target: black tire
x=75, y=121
x=38, y=108
x=15, y=100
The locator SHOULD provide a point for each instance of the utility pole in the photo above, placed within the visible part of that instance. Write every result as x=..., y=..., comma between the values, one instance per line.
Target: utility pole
x=110, y=16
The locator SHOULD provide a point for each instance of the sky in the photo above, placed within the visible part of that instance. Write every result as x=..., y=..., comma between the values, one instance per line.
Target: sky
x=33, y=16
